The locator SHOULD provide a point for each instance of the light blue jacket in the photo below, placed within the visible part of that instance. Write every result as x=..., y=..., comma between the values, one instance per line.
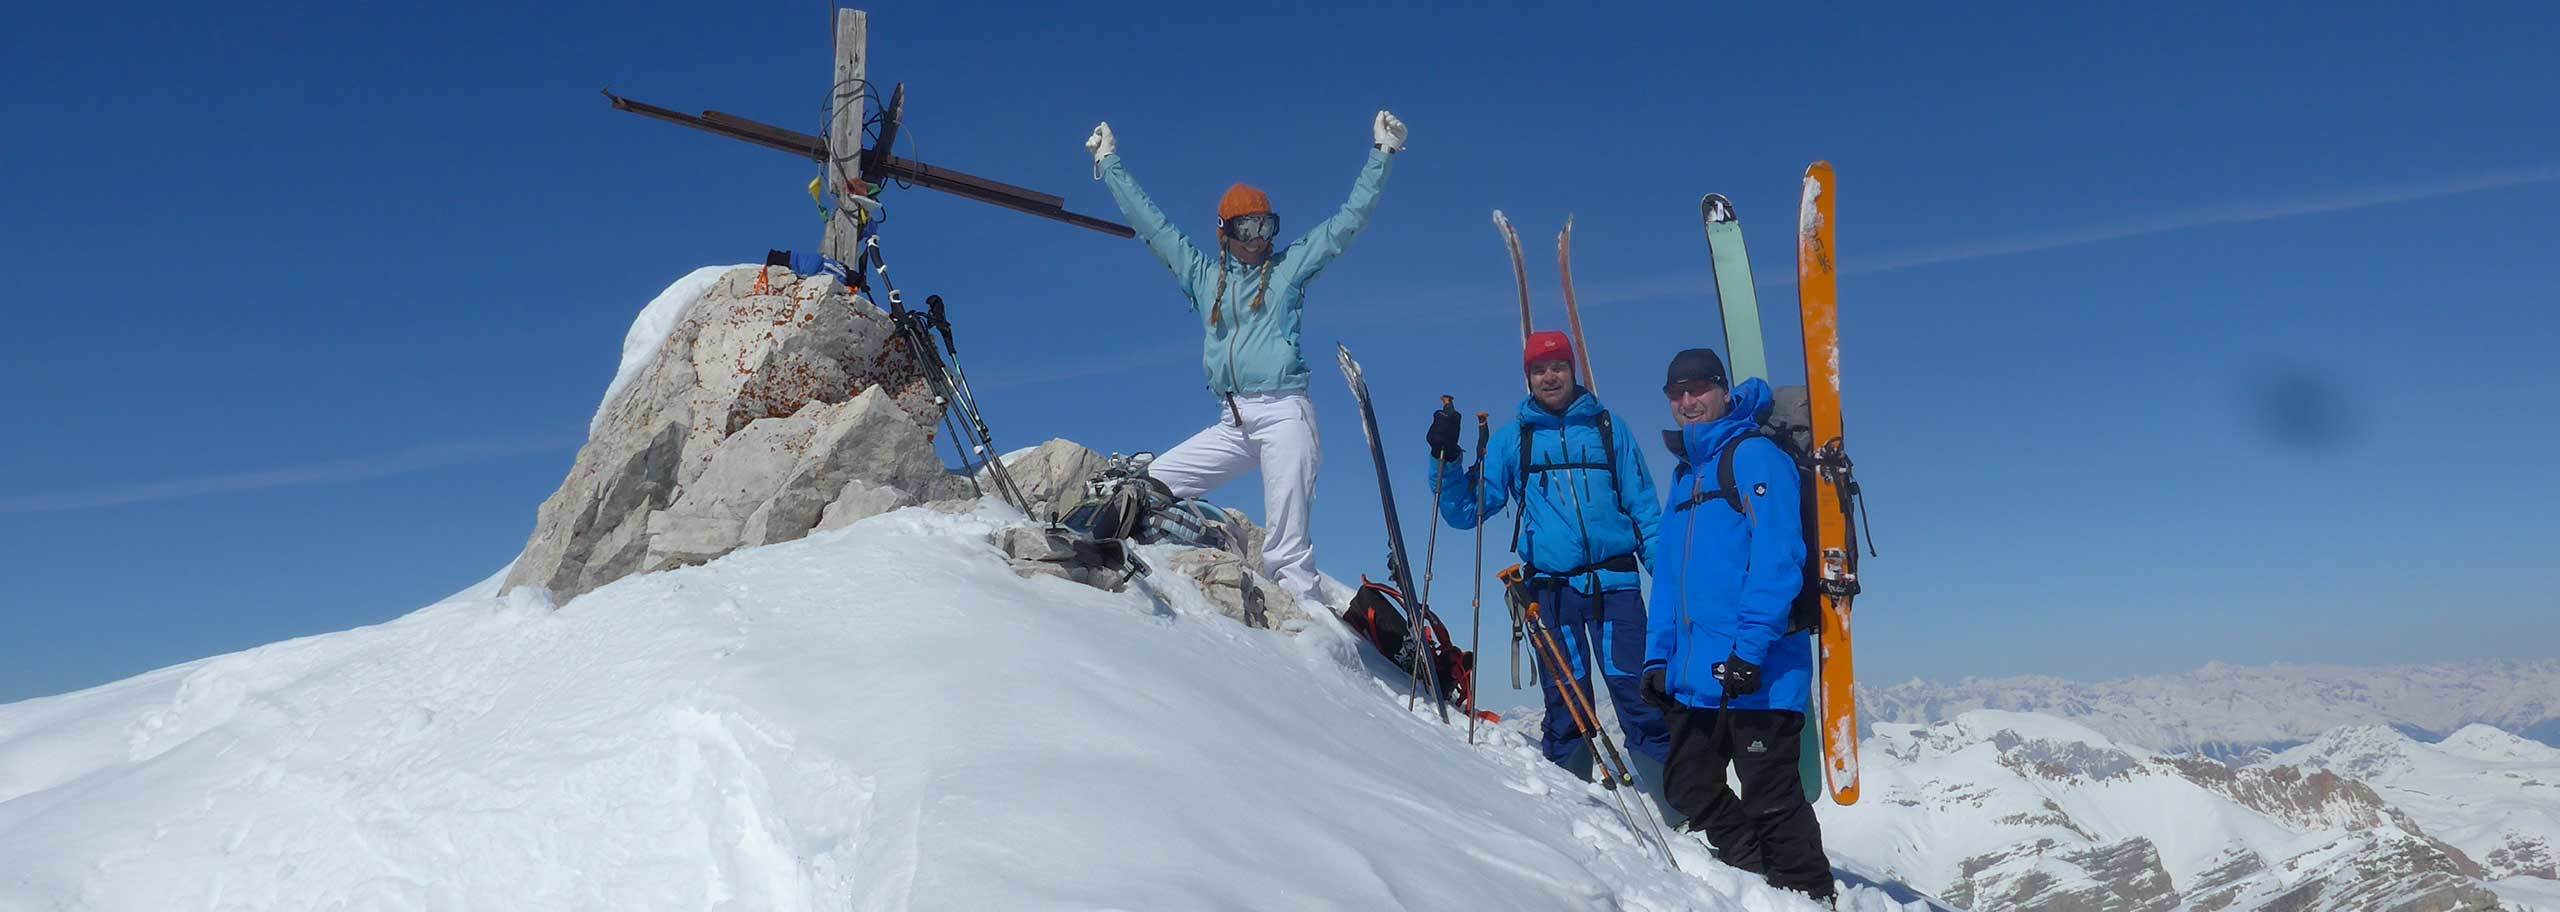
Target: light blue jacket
x=1727, y=577
x=1249, y=350
x=1574, y=512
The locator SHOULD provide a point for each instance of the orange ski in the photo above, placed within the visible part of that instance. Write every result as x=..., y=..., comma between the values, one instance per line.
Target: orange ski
x=1817, y=292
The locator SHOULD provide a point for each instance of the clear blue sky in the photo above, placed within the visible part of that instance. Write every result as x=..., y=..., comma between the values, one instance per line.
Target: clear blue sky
x=2172, y=334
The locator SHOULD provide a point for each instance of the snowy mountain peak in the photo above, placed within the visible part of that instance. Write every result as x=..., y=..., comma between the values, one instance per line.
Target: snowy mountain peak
x=2369, y=752
x=2496, y=745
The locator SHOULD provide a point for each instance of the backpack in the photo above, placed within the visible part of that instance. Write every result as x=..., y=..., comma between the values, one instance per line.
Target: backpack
x=1377, y=614
x=1790, y=426
x=1123, y=502
x=1608, y=446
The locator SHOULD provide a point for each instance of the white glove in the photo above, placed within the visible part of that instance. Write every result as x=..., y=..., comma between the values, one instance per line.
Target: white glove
x=1389, y=132
x=1101, y=143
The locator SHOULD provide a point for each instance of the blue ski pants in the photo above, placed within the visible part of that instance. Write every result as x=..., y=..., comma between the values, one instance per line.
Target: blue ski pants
x=1608, y=628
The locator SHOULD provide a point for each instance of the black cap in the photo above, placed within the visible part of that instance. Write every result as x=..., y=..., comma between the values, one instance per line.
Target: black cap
x=1692, y=365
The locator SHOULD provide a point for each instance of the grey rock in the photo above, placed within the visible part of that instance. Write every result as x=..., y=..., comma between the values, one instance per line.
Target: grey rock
x=860, y=500
x=1036, y=551
x=743, y=429
x=1052, y=475
x=1225, y=579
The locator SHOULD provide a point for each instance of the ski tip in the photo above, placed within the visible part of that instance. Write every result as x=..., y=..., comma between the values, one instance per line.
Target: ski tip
x=1715, y=208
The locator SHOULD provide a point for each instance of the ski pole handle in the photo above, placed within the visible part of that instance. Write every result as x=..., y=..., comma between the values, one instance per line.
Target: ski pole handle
x=933, y=307
x=1484, y=432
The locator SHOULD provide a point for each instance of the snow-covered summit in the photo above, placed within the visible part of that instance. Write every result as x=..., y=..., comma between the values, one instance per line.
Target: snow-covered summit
x=877, y=717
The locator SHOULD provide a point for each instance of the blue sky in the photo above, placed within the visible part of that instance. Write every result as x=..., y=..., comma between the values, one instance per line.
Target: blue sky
x=2172, y=334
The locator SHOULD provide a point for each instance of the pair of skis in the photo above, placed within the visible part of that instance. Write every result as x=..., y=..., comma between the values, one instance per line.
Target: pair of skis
x=1564, y=274
x=1581, y=362
x=1831, y=740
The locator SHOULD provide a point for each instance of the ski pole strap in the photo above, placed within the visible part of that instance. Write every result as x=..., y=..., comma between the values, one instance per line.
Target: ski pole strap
x=1624, y=563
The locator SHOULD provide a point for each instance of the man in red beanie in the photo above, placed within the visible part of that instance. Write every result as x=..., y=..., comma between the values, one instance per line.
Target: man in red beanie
x=1588, y=514
x=1250, y=301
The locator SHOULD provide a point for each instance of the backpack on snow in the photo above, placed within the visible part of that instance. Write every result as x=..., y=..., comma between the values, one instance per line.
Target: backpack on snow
x=1123, y=502
x=1377, y=614
x=1790, y=426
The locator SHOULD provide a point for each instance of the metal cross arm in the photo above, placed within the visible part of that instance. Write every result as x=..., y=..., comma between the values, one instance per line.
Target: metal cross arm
x=878, y=164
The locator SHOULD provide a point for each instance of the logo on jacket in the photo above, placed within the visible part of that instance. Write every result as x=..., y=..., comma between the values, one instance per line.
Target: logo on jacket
x=1760, y=490
x=1756, y=748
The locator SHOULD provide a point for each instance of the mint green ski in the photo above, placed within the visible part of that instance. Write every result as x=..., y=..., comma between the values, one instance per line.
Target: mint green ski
x=1746, y=356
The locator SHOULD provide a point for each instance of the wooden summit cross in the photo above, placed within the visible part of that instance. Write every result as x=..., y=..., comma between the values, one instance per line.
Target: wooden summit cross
x=849, y=165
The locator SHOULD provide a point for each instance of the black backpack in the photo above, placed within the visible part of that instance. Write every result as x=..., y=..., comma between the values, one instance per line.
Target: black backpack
x=1789, y=426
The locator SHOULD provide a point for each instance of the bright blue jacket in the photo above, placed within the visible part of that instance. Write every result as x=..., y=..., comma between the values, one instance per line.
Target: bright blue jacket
x=1727, y=577
x=1249, y=350
x=1573, y=517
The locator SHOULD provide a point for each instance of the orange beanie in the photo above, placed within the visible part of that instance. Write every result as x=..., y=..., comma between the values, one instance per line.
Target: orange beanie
x=1242, y=199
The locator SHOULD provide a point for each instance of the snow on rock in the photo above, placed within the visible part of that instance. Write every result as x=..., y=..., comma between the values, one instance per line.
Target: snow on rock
x=650, y=329
x=762, y=398
x=874, y=717
x=2494, y=796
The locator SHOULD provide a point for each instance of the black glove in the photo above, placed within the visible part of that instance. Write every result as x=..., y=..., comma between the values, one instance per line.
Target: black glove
x=1657, y=690
x=1739, y=677
x=1444, y=435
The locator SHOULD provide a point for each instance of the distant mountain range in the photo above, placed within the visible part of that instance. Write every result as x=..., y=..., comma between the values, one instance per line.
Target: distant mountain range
x=1999, y=811
x=2236, y=713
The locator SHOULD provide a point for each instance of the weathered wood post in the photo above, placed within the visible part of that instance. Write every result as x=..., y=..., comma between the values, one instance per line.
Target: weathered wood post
x=848, y=105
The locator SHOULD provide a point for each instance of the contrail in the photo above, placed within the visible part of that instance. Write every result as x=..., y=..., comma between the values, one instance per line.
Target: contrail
x=413, y=459
x=2157, y=223
x=2226, y=214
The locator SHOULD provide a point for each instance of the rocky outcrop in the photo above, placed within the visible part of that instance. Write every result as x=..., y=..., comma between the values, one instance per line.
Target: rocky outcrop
x=772, y=403
x=1052, y=475
x=2123, y=876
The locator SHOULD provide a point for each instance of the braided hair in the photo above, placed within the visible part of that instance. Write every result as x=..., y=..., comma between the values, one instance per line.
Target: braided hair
x=1218, y=298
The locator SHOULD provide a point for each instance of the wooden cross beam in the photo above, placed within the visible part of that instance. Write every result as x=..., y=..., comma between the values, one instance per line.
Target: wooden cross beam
x=848, y=109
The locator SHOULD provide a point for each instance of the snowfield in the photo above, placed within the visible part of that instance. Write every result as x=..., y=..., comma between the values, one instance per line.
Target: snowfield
x=877, y=717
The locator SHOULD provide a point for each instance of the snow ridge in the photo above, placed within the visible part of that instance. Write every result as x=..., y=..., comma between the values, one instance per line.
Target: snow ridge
x=877, y=717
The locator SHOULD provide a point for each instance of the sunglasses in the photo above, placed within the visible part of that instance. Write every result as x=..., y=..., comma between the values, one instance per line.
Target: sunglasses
x=1260, y=226
x=1690, y=389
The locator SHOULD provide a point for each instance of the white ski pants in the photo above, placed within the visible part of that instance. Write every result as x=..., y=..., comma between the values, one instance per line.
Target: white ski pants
x=1279, y=437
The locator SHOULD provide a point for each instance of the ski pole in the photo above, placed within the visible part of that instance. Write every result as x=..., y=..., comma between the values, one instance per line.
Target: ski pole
x=1612, y=765
x=1585, y=717
x=1430, y=560
x=1475, y=637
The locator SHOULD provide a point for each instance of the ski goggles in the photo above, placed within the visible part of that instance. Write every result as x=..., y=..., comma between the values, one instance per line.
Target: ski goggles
x=1260, y=226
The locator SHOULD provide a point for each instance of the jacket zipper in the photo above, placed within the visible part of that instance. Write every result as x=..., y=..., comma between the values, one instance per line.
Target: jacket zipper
x=1235, y=327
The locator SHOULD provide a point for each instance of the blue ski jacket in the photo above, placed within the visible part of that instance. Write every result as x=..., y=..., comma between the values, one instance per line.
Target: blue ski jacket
x=1249, y=349
x=1728, y=576
x=1575, y=513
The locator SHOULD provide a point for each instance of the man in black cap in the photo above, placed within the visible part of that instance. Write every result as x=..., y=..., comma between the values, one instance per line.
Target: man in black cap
x=1721, y=657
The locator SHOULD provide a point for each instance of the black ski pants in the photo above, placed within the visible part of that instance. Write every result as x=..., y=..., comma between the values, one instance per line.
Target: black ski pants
x=1768, y=830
